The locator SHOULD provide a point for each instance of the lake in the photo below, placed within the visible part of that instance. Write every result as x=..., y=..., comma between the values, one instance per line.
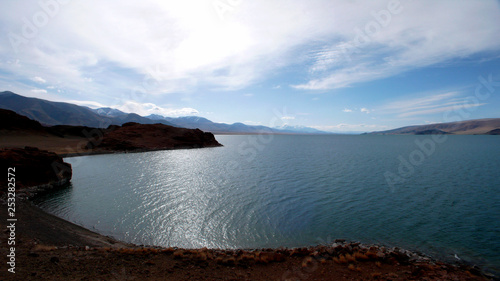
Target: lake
x=439, y=195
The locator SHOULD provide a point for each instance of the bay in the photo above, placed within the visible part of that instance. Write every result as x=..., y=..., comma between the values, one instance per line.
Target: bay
x=437, y=196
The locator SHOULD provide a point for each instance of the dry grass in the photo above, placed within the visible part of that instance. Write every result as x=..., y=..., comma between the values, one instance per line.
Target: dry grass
x=73, y=145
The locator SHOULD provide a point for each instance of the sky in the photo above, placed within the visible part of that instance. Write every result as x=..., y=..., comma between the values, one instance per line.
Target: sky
x=336, y=65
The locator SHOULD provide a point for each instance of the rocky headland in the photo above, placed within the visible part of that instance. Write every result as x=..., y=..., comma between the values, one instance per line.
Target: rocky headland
x=35, y=170
x=17, y=131
x=132, y=137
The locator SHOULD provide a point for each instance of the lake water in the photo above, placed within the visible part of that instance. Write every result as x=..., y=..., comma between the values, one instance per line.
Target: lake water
x=438, y=196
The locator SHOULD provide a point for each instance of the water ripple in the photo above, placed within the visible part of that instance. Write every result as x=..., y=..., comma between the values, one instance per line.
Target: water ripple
x=295, y=191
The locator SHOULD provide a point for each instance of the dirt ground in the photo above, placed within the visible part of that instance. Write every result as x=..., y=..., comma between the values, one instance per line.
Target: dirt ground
x=61, y=146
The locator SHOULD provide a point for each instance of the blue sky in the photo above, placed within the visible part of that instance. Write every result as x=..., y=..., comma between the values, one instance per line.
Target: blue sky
x=333, y=65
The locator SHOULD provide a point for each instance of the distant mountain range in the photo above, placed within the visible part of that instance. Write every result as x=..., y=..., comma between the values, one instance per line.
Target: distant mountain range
x=60, y=113
x=489, y=126
x=301, y=129
x=50, y=113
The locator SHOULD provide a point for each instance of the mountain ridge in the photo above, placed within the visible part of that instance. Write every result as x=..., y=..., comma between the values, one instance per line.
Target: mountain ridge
x=51, y=113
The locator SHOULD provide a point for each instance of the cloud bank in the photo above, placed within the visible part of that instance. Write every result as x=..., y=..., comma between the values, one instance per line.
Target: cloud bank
x=162, y=47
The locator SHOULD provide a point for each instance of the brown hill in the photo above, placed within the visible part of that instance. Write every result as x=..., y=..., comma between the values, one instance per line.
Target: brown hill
x=138, y=137
x=470, y=127
x=495, y=132
x=31, y=167
x=10, y=121
x=17, y=131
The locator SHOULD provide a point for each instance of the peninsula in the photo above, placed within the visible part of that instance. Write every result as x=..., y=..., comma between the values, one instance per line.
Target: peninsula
x=17, y=131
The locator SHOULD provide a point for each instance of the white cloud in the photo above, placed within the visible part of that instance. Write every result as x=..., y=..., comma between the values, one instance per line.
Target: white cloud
x=288, y=118
x=185, y=111
x=344, y=77
x=39, y=79
x=145, y=109
x=350, y=127
x=183, y=45
x=428, y=101
x=39, y=91
x=91, y=104
x=347, y=110
x=406, y=42
x=456, y=107
x=365, y=110
x=252, y=123
x=429, y=104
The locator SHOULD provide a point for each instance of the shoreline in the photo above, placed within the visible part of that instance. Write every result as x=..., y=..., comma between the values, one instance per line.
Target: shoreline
x=43, y=238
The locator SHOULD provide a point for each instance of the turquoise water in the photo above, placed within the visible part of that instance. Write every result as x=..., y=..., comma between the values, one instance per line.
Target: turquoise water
x=271, y=191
